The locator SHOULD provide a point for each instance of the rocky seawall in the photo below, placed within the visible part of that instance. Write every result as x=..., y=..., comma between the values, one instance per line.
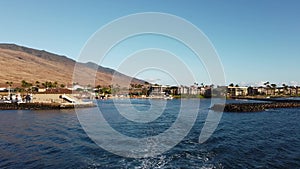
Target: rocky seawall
x=254, y=107
x=41, y=106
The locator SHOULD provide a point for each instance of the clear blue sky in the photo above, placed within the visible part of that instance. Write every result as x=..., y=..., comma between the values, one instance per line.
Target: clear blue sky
x=257, y=40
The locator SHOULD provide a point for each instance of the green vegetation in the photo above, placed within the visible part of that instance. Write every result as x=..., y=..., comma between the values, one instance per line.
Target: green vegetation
x=26, y=86
x=49, y=84
x=9, y=83
x=29, y=87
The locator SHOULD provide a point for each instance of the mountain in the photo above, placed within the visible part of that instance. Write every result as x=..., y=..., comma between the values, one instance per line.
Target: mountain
x=22, y=63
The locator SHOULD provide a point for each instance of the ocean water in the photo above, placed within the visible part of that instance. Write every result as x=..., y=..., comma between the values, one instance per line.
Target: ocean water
x=56, y=139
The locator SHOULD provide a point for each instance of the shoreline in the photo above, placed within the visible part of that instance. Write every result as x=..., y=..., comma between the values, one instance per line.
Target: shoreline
x=268, y=103
x=43, y=106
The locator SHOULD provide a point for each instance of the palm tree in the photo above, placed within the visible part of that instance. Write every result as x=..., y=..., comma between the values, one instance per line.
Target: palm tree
x=37, y=83
x=9, y=86
x=48, y=84
x=266, y=83
x=24, y=83
x=273, y=85
x=267, y=87
x=55, y=84
x=285, y=88
x=9, y=83
x=274, y=88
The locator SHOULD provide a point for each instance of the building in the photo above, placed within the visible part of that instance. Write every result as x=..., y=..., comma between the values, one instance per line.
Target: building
x=157, y=90
x=237, y=91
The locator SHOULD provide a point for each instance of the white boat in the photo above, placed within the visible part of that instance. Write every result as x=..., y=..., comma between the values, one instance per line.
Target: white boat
x=170, y=97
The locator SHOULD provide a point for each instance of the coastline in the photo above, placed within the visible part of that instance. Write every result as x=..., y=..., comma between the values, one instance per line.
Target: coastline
x=43, y=106
x=267, y=103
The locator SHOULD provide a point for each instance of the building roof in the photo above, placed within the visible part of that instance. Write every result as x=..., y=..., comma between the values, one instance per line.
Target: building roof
x=58, y=91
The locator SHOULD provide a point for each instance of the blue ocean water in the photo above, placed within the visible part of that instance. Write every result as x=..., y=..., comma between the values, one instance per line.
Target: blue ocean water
x=55, y=139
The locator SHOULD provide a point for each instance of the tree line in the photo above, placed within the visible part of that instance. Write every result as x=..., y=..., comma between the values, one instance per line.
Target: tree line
x=27, y=86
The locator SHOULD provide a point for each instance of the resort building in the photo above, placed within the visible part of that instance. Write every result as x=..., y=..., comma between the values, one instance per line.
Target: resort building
x=157, y=90
x=237, y=91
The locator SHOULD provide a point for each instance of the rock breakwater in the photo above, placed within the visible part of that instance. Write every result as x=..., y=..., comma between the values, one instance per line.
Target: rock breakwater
x=254, y=107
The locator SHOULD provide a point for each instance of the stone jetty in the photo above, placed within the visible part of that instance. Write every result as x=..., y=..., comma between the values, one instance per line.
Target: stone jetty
x=42, y=106
x=256, y=107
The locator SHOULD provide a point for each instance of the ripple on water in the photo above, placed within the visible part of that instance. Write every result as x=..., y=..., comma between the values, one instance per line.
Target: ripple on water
x=55, y=139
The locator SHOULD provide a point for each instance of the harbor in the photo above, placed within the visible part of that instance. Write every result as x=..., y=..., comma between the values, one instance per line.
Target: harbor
x=56, y=98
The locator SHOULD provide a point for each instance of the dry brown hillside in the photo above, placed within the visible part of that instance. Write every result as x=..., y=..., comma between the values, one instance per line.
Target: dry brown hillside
x=19, y=63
